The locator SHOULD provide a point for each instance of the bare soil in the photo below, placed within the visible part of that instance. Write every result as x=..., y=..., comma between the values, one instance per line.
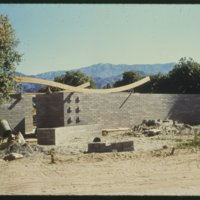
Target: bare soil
x=149, y=170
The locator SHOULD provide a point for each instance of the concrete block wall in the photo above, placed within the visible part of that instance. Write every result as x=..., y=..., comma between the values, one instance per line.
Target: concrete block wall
x=72, y=109
x=115, y=110
x=49, y=110
x=18, y=112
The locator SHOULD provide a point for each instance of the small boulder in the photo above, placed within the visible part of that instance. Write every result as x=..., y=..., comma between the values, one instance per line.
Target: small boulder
x=188, y=126
x=13, y=156
x=152, y=132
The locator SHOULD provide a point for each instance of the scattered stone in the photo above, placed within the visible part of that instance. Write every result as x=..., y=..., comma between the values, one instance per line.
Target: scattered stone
x=154, y=127
x=13, y=156
x=188, y=126
x=152, y=132
x=37, y=148
x=23, y=149
x=149, y=122
x=168, y=121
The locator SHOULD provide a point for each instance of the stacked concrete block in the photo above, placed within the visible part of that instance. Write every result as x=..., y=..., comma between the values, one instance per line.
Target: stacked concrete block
x=46, y=136
x=114, y=110
x=99, y=147
x=28, y=112
x=50, y=110
x=18, y=112
x=64, y=135
x=72, y=109
x=122, y=146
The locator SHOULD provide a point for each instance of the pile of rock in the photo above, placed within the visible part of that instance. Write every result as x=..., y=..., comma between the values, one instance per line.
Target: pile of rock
x=14, y=149
x=155, y=127
x=12, y=144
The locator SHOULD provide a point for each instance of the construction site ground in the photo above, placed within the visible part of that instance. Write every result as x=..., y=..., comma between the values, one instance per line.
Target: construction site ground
x=149, y=170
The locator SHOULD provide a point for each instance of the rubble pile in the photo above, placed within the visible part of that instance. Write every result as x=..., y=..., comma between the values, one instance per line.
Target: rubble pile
x=13, y=150
x=151, y=128
x=24, y=149
x=12, y=144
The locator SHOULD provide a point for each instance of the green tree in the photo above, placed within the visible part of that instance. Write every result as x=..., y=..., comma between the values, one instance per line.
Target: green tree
x=158, y=84
x=128, y=78
x=73, y=78
x=185, y=77
x=107, y=86
x=9, y=58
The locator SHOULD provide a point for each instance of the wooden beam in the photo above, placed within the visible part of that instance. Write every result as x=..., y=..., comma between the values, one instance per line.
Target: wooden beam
x=84, y=85
x=77, y=89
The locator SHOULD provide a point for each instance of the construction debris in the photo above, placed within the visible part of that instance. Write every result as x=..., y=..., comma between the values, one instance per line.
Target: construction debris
x=152, y=132
x=6, y=132
x=106, y=132
x=19, y=138
x=15, y=146
x=151, y=128
x=13, y=156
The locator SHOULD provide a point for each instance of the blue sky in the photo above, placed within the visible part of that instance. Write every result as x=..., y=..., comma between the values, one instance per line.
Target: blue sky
x=68, y=36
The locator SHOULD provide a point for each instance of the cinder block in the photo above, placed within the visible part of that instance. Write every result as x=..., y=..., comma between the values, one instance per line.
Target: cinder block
x=122, y=146
x=63, y=135
x=109, y=110
x=96, y=147
x=117, y=146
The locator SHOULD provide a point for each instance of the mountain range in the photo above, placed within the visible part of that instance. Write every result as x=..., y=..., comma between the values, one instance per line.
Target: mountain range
x=101, y=73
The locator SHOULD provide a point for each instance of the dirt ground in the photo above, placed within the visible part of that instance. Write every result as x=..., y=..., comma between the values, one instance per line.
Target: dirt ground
x=149, y=170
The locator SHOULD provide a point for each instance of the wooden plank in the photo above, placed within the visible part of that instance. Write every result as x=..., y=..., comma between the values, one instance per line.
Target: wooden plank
x=77, y=89
x=43, y=82
x=84, y=85
x=116, y=129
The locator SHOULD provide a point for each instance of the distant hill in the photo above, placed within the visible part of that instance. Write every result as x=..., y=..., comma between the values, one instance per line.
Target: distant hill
x=50, y=75
x=108, y=70
x=102, y=74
